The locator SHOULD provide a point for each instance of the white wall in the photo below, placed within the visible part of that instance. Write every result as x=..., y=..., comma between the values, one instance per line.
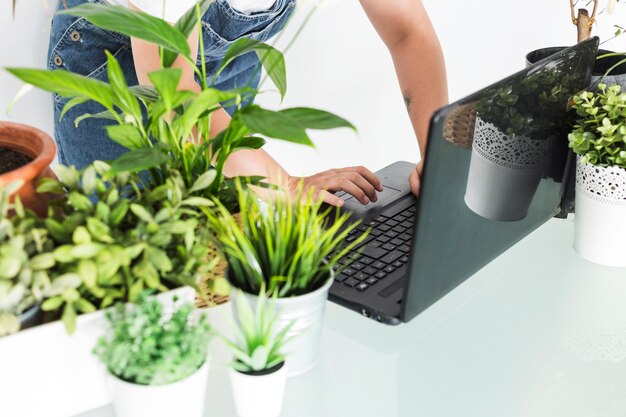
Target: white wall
x=340, y=64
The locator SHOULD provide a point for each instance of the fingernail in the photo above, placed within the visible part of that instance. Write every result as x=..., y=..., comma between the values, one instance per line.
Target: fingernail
x=367, y=200
x=339, y=202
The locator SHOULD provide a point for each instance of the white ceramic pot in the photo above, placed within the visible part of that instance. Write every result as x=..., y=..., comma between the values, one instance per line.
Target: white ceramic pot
x=600, y=225
x=504, y=173
x=307, y=311
x=182, y=398
x=259, y=395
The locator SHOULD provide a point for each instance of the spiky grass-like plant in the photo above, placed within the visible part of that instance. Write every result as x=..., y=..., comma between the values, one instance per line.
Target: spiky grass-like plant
x=288, y=247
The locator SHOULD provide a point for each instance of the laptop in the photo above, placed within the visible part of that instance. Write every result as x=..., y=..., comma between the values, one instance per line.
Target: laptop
x=496, y=168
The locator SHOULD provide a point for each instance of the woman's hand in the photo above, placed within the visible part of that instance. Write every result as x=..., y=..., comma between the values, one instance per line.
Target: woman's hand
x=357, y=181
x=415, y=179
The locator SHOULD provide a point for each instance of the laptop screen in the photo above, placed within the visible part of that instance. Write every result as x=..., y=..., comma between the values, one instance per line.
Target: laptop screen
x=494, y=171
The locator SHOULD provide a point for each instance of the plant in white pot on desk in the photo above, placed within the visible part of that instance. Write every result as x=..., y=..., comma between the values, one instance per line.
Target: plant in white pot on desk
x=259, y=371
x=25, y=258
x=288, y=248
x=158, y=365
x=599, y=140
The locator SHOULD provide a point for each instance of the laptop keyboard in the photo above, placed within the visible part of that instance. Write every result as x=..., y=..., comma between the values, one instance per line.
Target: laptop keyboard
x=385, y=249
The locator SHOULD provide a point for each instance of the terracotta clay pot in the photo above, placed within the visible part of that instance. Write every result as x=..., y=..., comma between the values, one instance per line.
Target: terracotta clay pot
x=41, y=148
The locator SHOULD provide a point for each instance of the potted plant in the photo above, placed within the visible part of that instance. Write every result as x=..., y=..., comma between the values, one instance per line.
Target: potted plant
x=259, y=372
x=125, y=239
x=157, y=363
x=25, y=260
x=289, y=248
x=515, y=129
x=25, y=157
x=599, y=140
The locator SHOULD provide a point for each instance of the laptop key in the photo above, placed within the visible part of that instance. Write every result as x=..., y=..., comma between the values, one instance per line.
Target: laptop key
x=404, y=248
x=399, y=229
x=392, y=257
x=380, y=275
x=374, y=253
x=371, y=280
x=379, y=265
x=380, y=219
x=405, y=236
x=391, y=234
x=360, y=276
x=369, y=271
x=348, y=272
x=374, y=244
x=365, y=260
x=376, y=232
x=357, y=266
x=383, y=227
x=397, y=242
x=390, y=269
x=391, y=223
x=398, y=264
x=340, y=278
x=389, y=247
x=362, y=286
x=351, y=282
x=383, y=239
x=405, y=259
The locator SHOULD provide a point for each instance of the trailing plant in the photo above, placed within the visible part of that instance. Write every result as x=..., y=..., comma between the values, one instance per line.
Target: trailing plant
x=599, y=135
x=146, y=347
x=257, y=345
x=176, y=134
x=114, y=238
x=288, y=247
x=25, y=260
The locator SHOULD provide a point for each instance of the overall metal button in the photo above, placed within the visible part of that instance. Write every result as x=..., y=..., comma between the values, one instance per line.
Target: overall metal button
x=58, y=61
x=75, y=36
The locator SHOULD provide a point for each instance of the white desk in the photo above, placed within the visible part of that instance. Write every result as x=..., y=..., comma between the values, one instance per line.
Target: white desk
x=537, y=333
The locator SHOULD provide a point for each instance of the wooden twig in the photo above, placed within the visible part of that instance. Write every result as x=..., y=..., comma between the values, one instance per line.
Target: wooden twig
x=583, y=22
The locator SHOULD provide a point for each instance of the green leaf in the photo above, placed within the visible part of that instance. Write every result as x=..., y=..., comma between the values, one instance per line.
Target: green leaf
x=203, y=181
x=67, y=175
x=69, y=318
x=197, y=202
x=125, y=99
x=81, y=235
x=89, y=180
x=166, y=82
x=188, y=21
x=71, y=104
x=80, y=201
x=85, y=250
x=119, y=212
x=51, y=304
x=134, y=24
x=259, y=358
x=316, y=119
x=138, y=160
x=273, y=124
x=249, y=142
x=48, y=185
x=142, y=213
x=42, y=261
x=160, y=260
x=126, y=135
x=88, y=271
x=271, y=59
x=186, y=24
x=66, y=84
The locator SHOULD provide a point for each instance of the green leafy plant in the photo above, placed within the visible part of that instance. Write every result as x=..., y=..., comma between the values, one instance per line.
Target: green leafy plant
x=114, y=238
x=144, y=347
x=176, y=134
x=599, y=135
x=257, y=345
x=288, y=247
x=25, y=260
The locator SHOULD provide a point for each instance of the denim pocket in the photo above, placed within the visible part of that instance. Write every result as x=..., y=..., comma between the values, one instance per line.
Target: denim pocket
x=78, y=46
x=223, y=25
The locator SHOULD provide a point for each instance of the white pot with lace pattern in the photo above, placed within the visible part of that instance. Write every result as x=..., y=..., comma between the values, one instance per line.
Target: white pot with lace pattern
x=600, y=219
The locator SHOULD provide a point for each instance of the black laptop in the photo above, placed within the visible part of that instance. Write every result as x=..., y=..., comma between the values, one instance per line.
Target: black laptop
x=496, y=168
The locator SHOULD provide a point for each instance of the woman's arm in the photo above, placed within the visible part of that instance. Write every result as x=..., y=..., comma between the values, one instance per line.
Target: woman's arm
x=406, y=30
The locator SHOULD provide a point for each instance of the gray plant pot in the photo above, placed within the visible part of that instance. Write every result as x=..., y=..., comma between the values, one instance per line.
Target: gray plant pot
x=504, y=173
x=307, y=311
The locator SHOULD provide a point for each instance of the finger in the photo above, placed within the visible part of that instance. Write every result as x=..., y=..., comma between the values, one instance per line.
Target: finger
x=363, y=184
x=414, y=182
x=365, y=173
x=351, y=188
x=330, y=198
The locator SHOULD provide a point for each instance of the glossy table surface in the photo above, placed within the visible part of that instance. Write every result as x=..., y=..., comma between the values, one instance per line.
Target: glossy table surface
x=538, y=332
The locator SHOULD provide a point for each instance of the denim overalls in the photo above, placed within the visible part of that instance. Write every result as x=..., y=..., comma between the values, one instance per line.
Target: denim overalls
x=78, y=46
